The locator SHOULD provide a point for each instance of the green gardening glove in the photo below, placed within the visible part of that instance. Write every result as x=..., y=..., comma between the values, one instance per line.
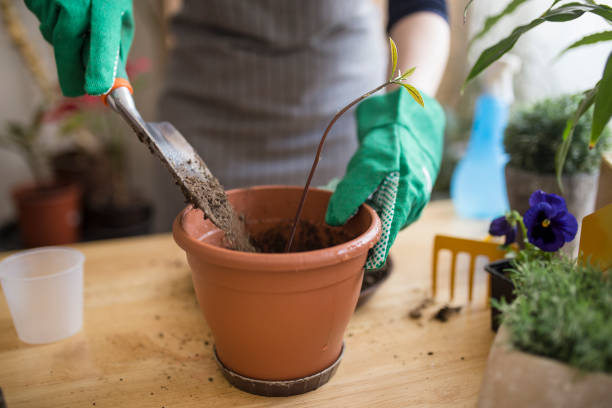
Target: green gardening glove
x=395, y=166
x=91, y=40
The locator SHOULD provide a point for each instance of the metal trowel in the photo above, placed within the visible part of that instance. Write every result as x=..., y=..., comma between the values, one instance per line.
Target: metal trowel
x=190, y=172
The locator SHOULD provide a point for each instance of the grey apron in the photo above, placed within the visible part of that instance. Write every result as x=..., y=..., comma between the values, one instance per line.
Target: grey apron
x=252, y=84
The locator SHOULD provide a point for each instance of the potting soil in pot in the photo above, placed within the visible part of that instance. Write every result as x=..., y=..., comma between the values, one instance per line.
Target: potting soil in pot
x=309, y=237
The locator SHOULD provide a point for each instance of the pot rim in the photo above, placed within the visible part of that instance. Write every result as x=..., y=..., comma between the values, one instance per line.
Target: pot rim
x=78, y=263
x=494, y=268
x=56, y=192
x=275, y=262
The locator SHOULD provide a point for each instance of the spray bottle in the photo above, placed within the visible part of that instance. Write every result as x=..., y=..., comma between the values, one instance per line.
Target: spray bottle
x=478, y=187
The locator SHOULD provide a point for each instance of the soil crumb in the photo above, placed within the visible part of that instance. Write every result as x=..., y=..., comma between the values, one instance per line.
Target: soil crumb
x=308, y=237
x=446, y=313
x=417, y=312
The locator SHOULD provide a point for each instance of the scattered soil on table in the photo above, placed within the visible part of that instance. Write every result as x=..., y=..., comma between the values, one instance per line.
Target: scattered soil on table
x=417, y=311
x=446, y=313
x=308, y=237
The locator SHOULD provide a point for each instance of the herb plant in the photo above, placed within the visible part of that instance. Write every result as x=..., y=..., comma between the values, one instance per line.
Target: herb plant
x=563, y=311
x=598, y=96
x=531, y=138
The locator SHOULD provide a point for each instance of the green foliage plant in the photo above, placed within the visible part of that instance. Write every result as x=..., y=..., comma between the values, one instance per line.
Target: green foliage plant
x=23, y=137
x=598, y=96
x=531, y=138
x=563, y=311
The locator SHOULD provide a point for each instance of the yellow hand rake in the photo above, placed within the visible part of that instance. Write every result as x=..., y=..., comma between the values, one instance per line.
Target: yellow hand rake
x=474, y=249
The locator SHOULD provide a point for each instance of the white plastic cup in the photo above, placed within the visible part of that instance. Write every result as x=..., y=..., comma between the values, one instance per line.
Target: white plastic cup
x=44, y=291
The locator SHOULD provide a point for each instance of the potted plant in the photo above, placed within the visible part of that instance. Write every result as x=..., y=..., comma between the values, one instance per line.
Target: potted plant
x=112, y=207
x=531, y=141
x=553, y=349
x=278, y=314
x=48, y=210
x=278, y=319
x=546, y=227
x=598, y=96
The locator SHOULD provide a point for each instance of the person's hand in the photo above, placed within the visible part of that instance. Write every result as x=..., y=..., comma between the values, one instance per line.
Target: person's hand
x=400, y=148
x=91, y=40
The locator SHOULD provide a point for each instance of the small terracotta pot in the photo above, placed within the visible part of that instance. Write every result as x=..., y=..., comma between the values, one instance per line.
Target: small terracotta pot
x=276, y=316
x=48, y=215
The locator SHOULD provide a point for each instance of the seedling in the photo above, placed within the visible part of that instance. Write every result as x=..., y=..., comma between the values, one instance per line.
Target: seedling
x=397, y=79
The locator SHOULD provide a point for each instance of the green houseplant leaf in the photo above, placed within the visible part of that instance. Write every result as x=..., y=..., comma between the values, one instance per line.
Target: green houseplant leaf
x=465, y=10
x=568, y=133
x=492, y=20
x=603, y=103
x=562, y=13
x=588, y=40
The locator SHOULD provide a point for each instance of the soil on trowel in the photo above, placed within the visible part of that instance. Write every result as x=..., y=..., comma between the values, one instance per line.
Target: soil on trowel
x=210, y=197
x=308, y=237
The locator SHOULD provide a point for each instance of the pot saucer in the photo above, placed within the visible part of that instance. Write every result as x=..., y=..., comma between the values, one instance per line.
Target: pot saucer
x=280, y=388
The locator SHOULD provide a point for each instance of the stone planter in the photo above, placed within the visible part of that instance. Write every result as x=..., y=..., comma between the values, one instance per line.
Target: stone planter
x=517, y=379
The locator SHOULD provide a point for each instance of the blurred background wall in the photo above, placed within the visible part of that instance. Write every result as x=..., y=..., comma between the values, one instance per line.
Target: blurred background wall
x=541, y=75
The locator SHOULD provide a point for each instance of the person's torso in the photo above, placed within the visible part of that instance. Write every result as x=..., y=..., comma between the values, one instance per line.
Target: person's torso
x=254, y=83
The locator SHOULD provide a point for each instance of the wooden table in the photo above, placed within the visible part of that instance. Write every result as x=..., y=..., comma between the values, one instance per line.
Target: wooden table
x=146, y=344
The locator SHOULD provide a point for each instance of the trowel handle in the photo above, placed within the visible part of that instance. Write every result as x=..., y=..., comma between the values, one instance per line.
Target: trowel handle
x=120, y=100
x=119, y=83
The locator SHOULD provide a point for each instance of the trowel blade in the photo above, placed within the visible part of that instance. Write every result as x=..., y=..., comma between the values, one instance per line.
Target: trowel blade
x=188, y=169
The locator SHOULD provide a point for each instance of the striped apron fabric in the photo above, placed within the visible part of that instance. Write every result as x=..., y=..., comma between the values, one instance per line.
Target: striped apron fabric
x=253, y=84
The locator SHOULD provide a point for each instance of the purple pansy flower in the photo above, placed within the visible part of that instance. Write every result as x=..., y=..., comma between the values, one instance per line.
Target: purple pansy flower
x=549, y=223
x=501, y=227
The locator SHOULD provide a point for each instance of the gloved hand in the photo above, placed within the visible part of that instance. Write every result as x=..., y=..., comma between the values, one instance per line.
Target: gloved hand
x=91, y=40
x=395, y=166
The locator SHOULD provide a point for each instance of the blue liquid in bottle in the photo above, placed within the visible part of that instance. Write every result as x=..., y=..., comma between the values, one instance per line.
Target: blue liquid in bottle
x=478, y=186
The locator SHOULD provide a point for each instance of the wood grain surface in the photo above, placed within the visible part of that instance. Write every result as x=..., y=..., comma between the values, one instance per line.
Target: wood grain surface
x=145, y=343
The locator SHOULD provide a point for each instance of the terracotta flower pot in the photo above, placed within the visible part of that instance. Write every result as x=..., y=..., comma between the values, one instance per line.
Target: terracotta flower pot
x=277, y=317
x=48, y=215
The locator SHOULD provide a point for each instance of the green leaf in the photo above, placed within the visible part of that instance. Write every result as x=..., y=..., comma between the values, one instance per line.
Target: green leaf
x=465, y=10
x=568, y=132
x=589, y=39
x=603, y=103
x=494, y=19
x=406, y=74
x=414, y=93
x=393, y=57
x=566, y=12
x=495, y=52
x=602, y=11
